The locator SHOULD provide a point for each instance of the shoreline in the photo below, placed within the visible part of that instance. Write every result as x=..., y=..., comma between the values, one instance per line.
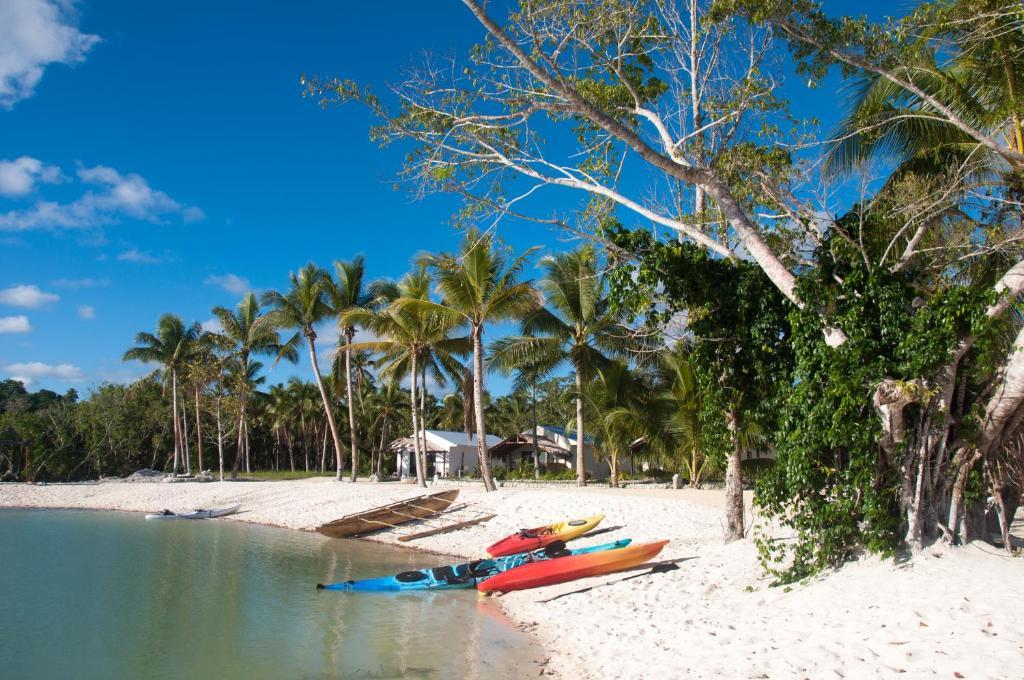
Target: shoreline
x=712, y=614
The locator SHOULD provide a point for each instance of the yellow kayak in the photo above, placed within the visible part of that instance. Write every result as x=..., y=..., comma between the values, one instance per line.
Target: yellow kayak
x=527, y=540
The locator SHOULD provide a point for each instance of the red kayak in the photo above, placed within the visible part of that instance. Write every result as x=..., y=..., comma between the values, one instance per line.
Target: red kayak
x=536, y=574
x=528, y=540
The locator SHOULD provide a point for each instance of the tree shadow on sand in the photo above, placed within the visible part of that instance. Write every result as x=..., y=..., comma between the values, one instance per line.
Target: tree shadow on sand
x=647, y=569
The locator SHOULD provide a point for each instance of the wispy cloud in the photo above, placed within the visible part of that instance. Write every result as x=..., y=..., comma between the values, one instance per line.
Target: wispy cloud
x=33, y=35
x=232, y=283
x=75, y=284
x=14, y=324
x=211, y=325
x=86, y=312
x=36, y=370
x=27, y=296
x=138, y=256
x=108, y=196
x=19, y=177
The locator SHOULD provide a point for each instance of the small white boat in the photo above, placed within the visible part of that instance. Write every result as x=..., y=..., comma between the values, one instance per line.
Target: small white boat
x=195, y=514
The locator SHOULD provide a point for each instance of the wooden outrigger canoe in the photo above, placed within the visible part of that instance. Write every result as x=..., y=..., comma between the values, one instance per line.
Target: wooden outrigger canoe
x=388, y=516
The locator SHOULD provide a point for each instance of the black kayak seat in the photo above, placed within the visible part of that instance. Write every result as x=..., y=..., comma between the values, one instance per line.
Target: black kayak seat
x=556, y=549
x=410, y=576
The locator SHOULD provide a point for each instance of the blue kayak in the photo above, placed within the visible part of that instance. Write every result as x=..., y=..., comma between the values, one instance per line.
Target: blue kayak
x=467, y=574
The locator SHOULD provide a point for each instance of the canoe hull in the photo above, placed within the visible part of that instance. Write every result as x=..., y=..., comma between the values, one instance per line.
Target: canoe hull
x=388, y=516
x=197, y=514
x=532, y=539
x=539, y=574
x=464, y=575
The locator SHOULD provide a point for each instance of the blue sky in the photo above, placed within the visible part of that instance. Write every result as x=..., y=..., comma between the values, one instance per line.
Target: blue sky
x=158, y=157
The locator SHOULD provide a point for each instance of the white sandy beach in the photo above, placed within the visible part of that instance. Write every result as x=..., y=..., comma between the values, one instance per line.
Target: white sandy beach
x=714, y=616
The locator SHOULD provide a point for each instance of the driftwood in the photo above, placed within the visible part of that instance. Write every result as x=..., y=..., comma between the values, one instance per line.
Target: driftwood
x=446, y=529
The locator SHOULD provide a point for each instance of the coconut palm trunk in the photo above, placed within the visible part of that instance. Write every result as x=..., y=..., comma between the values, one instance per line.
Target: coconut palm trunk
x=581, y=467
x=536, y=449
x=478, y=404
x=351, y=408
x=420, y=472
x=327, y=402
x=240, y=446
x=184, y=438
x=174, y=413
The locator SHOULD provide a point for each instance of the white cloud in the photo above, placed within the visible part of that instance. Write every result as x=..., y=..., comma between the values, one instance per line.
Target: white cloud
x=107, y=197
x=14, y=324
x=19, y=177
x=232, y=283
x=80, y=283
x=34, y=34
x=33, y=370
x=86, y=312
x=211, y=325
x=137, y=256
x=27, y=296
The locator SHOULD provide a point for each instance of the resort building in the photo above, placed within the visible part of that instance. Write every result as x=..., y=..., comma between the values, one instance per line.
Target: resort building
x=449, y=454
x=556, y=447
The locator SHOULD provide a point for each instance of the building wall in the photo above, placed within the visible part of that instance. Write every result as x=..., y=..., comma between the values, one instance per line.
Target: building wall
x=445, y=465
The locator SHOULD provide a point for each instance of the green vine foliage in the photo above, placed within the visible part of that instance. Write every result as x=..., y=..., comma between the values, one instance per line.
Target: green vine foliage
x=739, y=321
x=833, y=485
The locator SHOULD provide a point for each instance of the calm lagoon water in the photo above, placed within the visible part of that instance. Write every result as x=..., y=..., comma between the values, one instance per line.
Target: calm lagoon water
x=109, y=595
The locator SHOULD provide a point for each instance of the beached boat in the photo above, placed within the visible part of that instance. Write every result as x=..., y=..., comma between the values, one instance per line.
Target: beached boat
x=195, y=514
x=570, y=568
x=388, y=516
x=467, y=574
x=532, y=539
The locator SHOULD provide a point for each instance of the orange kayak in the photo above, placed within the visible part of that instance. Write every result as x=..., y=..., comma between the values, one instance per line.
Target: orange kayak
x=528, y=540
x=536, y=574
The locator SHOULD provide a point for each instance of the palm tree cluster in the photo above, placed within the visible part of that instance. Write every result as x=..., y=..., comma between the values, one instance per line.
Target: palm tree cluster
x=428, y=329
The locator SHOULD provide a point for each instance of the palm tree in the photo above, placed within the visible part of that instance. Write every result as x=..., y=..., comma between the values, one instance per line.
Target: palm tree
x=171, y=346
x=619, y=402
x=302, y=307
x=388, y=403
x=967, y=61
x=479, y=285
x=245, y=330
x=345, y=292
x=577, y=326
x=413, y=341
x=279, y=412
x=305, y=404
x=679, y=403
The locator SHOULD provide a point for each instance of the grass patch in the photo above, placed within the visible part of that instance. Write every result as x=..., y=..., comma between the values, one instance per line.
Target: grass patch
x=280, y=475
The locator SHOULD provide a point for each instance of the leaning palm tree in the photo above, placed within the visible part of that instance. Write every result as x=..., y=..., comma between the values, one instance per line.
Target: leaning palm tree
x=171, y=346
x=479, y=285
x=247, y=334
x=577, y=326
x=301, y=308
x=348, y=290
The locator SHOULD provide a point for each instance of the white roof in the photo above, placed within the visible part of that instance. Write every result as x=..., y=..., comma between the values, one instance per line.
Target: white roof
x=460, y=439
